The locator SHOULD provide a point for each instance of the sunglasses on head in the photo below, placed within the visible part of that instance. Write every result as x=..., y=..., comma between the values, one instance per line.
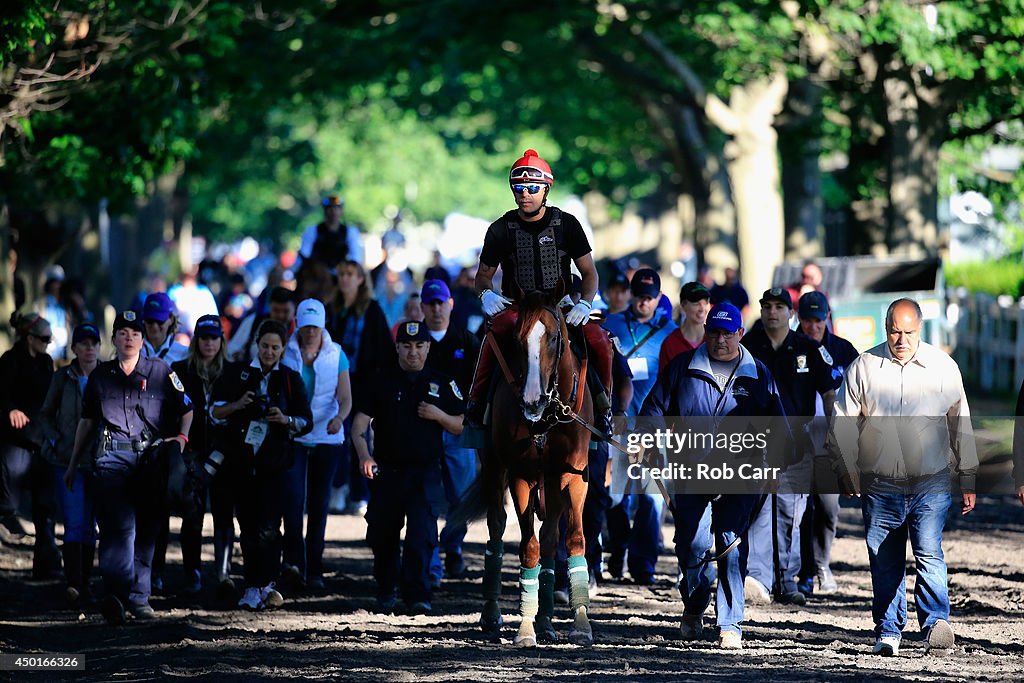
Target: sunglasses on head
x=532, y=189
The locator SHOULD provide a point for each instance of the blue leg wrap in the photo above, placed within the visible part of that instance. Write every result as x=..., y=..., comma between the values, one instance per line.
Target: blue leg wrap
x=529, y=586
x=579, y=582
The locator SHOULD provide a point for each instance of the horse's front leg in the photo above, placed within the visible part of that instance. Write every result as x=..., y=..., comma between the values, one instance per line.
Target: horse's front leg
x=581, y=632
x=490, y=616
x=548, y=551
x=529, y=570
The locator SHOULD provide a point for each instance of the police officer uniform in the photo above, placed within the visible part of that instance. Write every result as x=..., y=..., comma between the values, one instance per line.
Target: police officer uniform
x=134, y=411
x=453, y=355
x=802, y=369
x=821, y=519
x=407, y=489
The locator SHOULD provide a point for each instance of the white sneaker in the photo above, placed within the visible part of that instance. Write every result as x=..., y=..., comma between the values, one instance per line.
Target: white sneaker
x=754, y=593
x=825, y=583
x=730, y=640
x=252, y=599
x=271, y=598
x=940, y=636
x=887, y=646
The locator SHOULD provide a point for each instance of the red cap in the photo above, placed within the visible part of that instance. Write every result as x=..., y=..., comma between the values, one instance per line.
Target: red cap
x=530, y=168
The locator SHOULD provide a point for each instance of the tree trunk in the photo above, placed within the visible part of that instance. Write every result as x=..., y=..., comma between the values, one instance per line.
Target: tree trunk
x=800, y=151
x=915, y=136
x=753, y=162
x=715, y=215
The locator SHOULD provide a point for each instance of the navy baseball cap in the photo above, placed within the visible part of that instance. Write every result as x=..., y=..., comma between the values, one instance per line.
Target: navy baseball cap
x=85, y=331
x=158, y=307
x=435, y=290
x=724, y=316
x=412, y=331
x=130, y=320
x=694, y=291
x=209, y=326
x=618, y=279
x=780, y=294
x=814, y=304
x=645, y=282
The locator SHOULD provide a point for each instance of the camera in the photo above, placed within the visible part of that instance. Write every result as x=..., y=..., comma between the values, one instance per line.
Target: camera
x=261, y=404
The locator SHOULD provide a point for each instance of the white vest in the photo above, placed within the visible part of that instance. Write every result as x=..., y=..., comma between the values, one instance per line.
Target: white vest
x=324, y=402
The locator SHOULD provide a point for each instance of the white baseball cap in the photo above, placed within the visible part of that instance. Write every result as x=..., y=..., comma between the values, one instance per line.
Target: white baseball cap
x=311, y=314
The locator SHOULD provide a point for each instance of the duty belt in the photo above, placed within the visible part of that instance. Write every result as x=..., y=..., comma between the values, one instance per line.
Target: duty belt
x=134, y=445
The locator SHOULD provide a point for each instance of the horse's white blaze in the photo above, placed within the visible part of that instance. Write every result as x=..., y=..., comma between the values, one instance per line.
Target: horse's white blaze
x=533, y=390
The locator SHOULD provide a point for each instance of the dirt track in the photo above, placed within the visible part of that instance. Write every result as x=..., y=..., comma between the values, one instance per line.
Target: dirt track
x=335, y=636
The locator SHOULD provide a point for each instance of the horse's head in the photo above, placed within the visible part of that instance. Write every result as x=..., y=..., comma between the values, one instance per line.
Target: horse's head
x=539, y=333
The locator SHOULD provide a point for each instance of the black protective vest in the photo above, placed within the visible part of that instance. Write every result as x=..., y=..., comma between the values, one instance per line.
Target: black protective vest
x=537, y=258
x=330, y=248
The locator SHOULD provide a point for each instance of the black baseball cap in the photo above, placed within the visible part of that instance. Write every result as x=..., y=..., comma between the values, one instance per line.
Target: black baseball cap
x=128, y=319
x=645, y=282
x=694, y=291
x=814, y=304
x=209, y=326
x=85, y=331
x=780, y=294
x=412, y=331
x=618, y=279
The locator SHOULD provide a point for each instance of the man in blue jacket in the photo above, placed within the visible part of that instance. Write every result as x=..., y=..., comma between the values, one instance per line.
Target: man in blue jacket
x=638, y=332
x=720, y=378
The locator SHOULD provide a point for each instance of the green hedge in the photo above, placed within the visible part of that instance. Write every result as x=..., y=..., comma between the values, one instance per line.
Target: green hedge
x=989, y=277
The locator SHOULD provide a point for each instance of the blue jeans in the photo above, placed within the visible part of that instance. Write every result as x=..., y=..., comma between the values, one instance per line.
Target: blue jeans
x=729, y=515
x=308, y=488
x=702, y=542
x=77, y=506
x=458, y=470
x=892, y=512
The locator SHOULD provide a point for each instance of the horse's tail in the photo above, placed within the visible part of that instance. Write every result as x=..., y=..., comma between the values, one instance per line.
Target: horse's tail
x=487, y=489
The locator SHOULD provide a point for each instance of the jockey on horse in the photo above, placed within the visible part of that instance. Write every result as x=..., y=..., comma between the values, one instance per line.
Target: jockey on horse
x=534, y=245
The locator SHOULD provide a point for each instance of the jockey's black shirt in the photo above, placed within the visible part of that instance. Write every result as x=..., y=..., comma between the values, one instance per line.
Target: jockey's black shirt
x=498, y=249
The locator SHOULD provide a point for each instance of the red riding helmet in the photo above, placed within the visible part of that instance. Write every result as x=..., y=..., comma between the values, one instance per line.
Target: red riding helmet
x=530, y=168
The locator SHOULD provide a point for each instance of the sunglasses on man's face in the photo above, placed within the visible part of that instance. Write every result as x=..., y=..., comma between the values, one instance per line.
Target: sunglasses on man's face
x=532, y=189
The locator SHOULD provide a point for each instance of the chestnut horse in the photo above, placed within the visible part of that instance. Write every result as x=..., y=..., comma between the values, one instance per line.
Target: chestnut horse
x=540, y=453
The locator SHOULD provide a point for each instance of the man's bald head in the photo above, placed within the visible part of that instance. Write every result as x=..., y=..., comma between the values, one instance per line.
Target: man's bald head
x=903, y=322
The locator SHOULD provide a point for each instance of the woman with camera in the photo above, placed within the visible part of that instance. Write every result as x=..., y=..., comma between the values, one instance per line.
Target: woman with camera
x=262, y=407
x=60, y=414
x=324, y=369
x=198, y=372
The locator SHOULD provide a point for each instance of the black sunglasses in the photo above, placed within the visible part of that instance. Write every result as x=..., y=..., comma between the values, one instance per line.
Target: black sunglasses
x=45, y=339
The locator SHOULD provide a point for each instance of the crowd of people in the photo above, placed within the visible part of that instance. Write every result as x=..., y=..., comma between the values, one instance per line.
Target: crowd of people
x=274, y=410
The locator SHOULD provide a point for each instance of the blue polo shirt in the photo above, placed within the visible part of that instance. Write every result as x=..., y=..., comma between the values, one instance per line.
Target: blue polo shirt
x=641, y=344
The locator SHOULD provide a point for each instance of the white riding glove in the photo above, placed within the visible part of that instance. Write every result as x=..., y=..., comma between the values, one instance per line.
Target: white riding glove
x=493, y=302
x=579, y=313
